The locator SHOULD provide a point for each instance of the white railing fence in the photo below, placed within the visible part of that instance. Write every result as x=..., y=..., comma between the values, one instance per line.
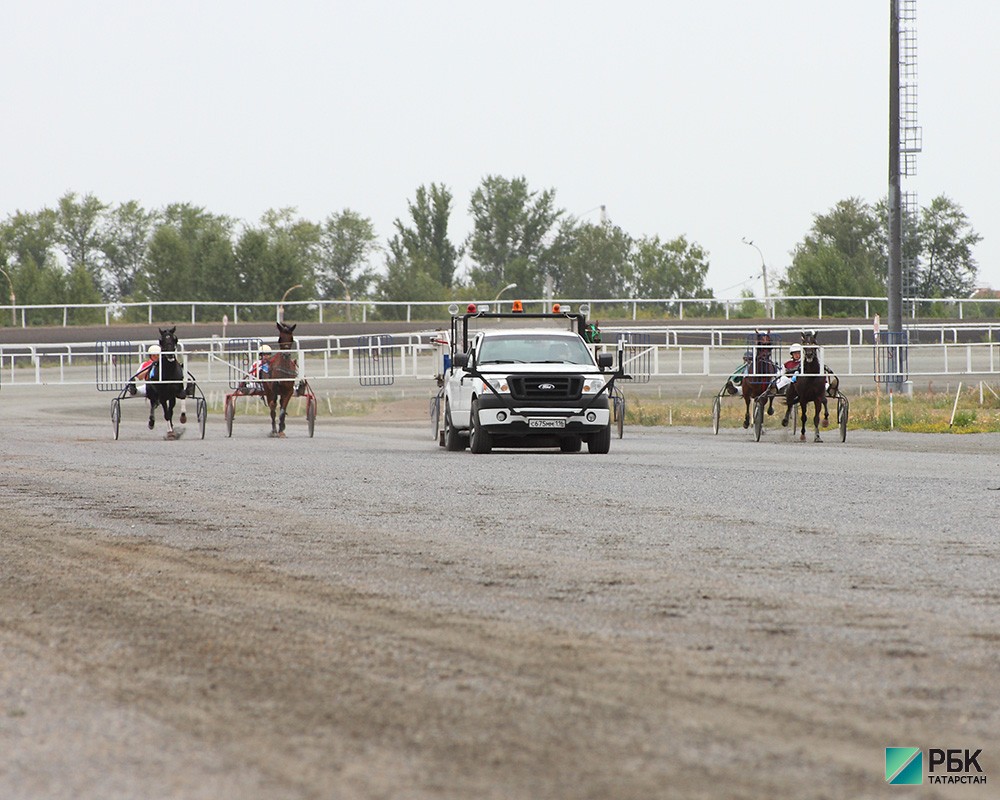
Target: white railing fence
x=338, y=360
x=822, y=307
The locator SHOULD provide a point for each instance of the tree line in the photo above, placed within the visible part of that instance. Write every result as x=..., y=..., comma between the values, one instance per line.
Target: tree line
x=83, y=250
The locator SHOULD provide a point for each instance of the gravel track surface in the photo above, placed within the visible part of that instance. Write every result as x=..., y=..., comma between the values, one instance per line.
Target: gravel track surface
x=364, y=615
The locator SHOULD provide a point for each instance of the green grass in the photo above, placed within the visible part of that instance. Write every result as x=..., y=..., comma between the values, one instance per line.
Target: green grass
x=921, y=413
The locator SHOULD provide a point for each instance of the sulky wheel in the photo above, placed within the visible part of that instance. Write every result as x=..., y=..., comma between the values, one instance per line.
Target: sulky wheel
x=716, y=413
x=201, y=413
x=758, y=419
x=230, y=413
x=116, y=415
x=311, y=415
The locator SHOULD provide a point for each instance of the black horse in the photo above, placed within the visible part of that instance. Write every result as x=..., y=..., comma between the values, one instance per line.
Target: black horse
x=760, y=372
x=808, y=386
x=166, y=381
x=282, y=373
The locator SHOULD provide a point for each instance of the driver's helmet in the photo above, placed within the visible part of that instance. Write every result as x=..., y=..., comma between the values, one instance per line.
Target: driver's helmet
x=795, y=348
x=264, y=350
x=154, y=350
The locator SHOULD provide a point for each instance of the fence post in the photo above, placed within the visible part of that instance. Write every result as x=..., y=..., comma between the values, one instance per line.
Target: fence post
x=821, y=308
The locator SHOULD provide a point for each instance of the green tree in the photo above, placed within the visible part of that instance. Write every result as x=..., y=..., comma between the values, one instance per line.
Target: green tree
x=125, y=240
x=513, y=233
x=347, y=242
x=184, y=255
x=295, y=247
x=593, y=260
x=842, y=255
x=675, y=269
x=947, y=266
x=78, y=232
x=27, y=247
x=421, y=260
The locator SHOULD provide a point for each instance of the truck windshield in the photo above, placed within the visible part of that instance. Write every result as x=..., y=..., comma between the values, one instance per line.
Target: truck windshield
x=538, y=349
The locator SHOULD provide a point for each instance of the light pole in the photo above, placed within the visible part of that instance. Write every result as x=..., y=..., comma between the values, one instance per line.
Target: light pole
x=763, y=268
x=281, y=306
x=504, y=289
x=13, y=300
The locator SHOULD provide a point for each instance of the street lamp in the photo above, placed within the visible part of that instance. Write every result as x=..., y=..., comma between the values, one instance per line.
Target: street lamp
x=13, y=300
x=281, y=306
x=504, y=289
x=768, y=311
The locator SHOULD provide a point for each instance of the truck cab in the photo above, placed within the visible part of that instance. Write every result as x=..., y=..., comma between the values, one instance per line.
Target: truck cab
x=526, y=380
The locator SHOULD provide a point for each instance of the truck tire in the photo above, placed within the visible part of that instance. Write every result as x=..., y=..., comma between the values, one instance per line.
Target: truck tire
x=453, y=441
x=600, y=442
x=571, y=444
x=480, y=442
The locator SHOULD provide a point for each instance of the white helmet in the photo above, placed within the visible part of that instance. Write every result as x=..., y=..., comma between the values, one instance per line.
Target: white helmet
x=265, y=348
x=795, y=348
x=154, y=350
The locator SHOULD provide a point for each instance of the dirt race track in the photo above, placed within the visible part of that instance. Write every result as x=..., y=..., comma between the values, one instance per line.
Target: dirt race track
x=363, y=615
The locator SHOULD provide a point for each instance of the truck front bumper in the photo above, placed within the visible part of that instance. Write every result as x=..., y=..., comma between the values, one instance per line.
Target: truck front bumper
x=507, y=417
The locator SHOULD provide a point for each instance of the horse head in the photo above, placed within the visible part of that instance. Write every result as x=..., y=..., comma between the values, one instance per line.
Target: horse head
x=285, y=338
x=168, y=343
x=809, y=349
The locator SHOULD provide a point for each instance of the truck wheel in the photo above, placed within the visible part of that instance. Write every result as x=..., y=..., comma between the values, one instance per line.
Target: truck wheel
x=571, y=444
x=452, y=440
x=600, y=442
x=480, y=441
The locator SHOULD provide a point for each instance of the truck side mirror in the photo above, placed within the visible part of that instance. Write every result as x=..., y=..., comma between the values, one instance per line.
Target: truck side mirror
x=461, y=360
x=605, y=361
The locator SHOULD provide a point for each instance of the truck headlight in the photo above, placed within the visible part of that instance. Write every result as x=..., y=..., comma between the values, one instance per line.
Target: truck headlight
x=593, y=385
x=498, y=384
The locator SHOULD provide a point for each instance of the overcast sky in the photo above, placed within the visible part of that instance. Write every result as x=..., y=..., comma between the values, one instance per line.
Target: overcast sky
x=716, y=120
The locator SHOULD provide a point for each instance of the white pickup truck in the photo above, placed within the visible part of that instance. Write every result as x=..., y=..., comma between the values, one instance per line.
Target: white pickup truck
x=525, y=380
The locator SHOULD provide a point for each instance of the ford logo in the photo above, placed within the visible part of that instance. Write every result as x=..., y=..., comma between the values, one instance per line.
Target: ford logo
x=546, y=386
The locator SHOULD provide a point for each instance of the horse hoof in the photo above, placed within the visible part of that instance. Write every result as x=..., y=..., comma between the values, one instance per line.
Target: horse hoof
x=281, y=435
x=770, y=412
x=784, y=423
x=170, y=436
x=817, y=439
x=184, y=418
x=802, y=438
x=151, y=423
x=826, y=423
x=746, y=425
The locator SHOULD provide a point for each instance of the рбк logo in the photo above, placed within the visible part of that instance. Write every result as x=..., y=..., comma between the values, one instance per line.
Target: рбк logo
x=904, y=765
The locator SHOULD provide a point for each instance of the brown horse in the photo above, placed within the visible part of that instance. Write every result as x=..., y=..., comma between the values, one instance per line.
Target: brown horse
x=809, y=386
x=281, y=371
x=760, y=372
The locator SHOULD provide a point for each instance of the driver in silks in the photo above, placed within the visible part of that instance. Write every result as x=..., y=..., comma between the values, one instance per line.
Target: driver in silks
x=791, y=368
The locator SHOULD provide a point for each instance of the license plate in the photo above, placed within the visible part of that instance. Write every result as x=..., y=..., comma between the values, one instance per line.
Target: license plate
x=546, y=423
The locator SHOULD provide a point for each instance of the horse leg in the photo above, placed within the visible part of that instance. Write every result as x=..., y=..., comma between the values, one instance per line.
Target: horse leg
x=184, y=416
x=272, y=404
x=746, y=417
x=803, y=410
x=152, y=410
x=816, y=421
x=788, y=409
x=770, y=405
x=168, y=415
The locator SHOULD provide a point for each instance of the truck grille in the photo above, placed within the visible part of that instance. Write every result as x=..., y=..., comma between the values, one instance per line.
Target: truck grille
x=545, y=387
